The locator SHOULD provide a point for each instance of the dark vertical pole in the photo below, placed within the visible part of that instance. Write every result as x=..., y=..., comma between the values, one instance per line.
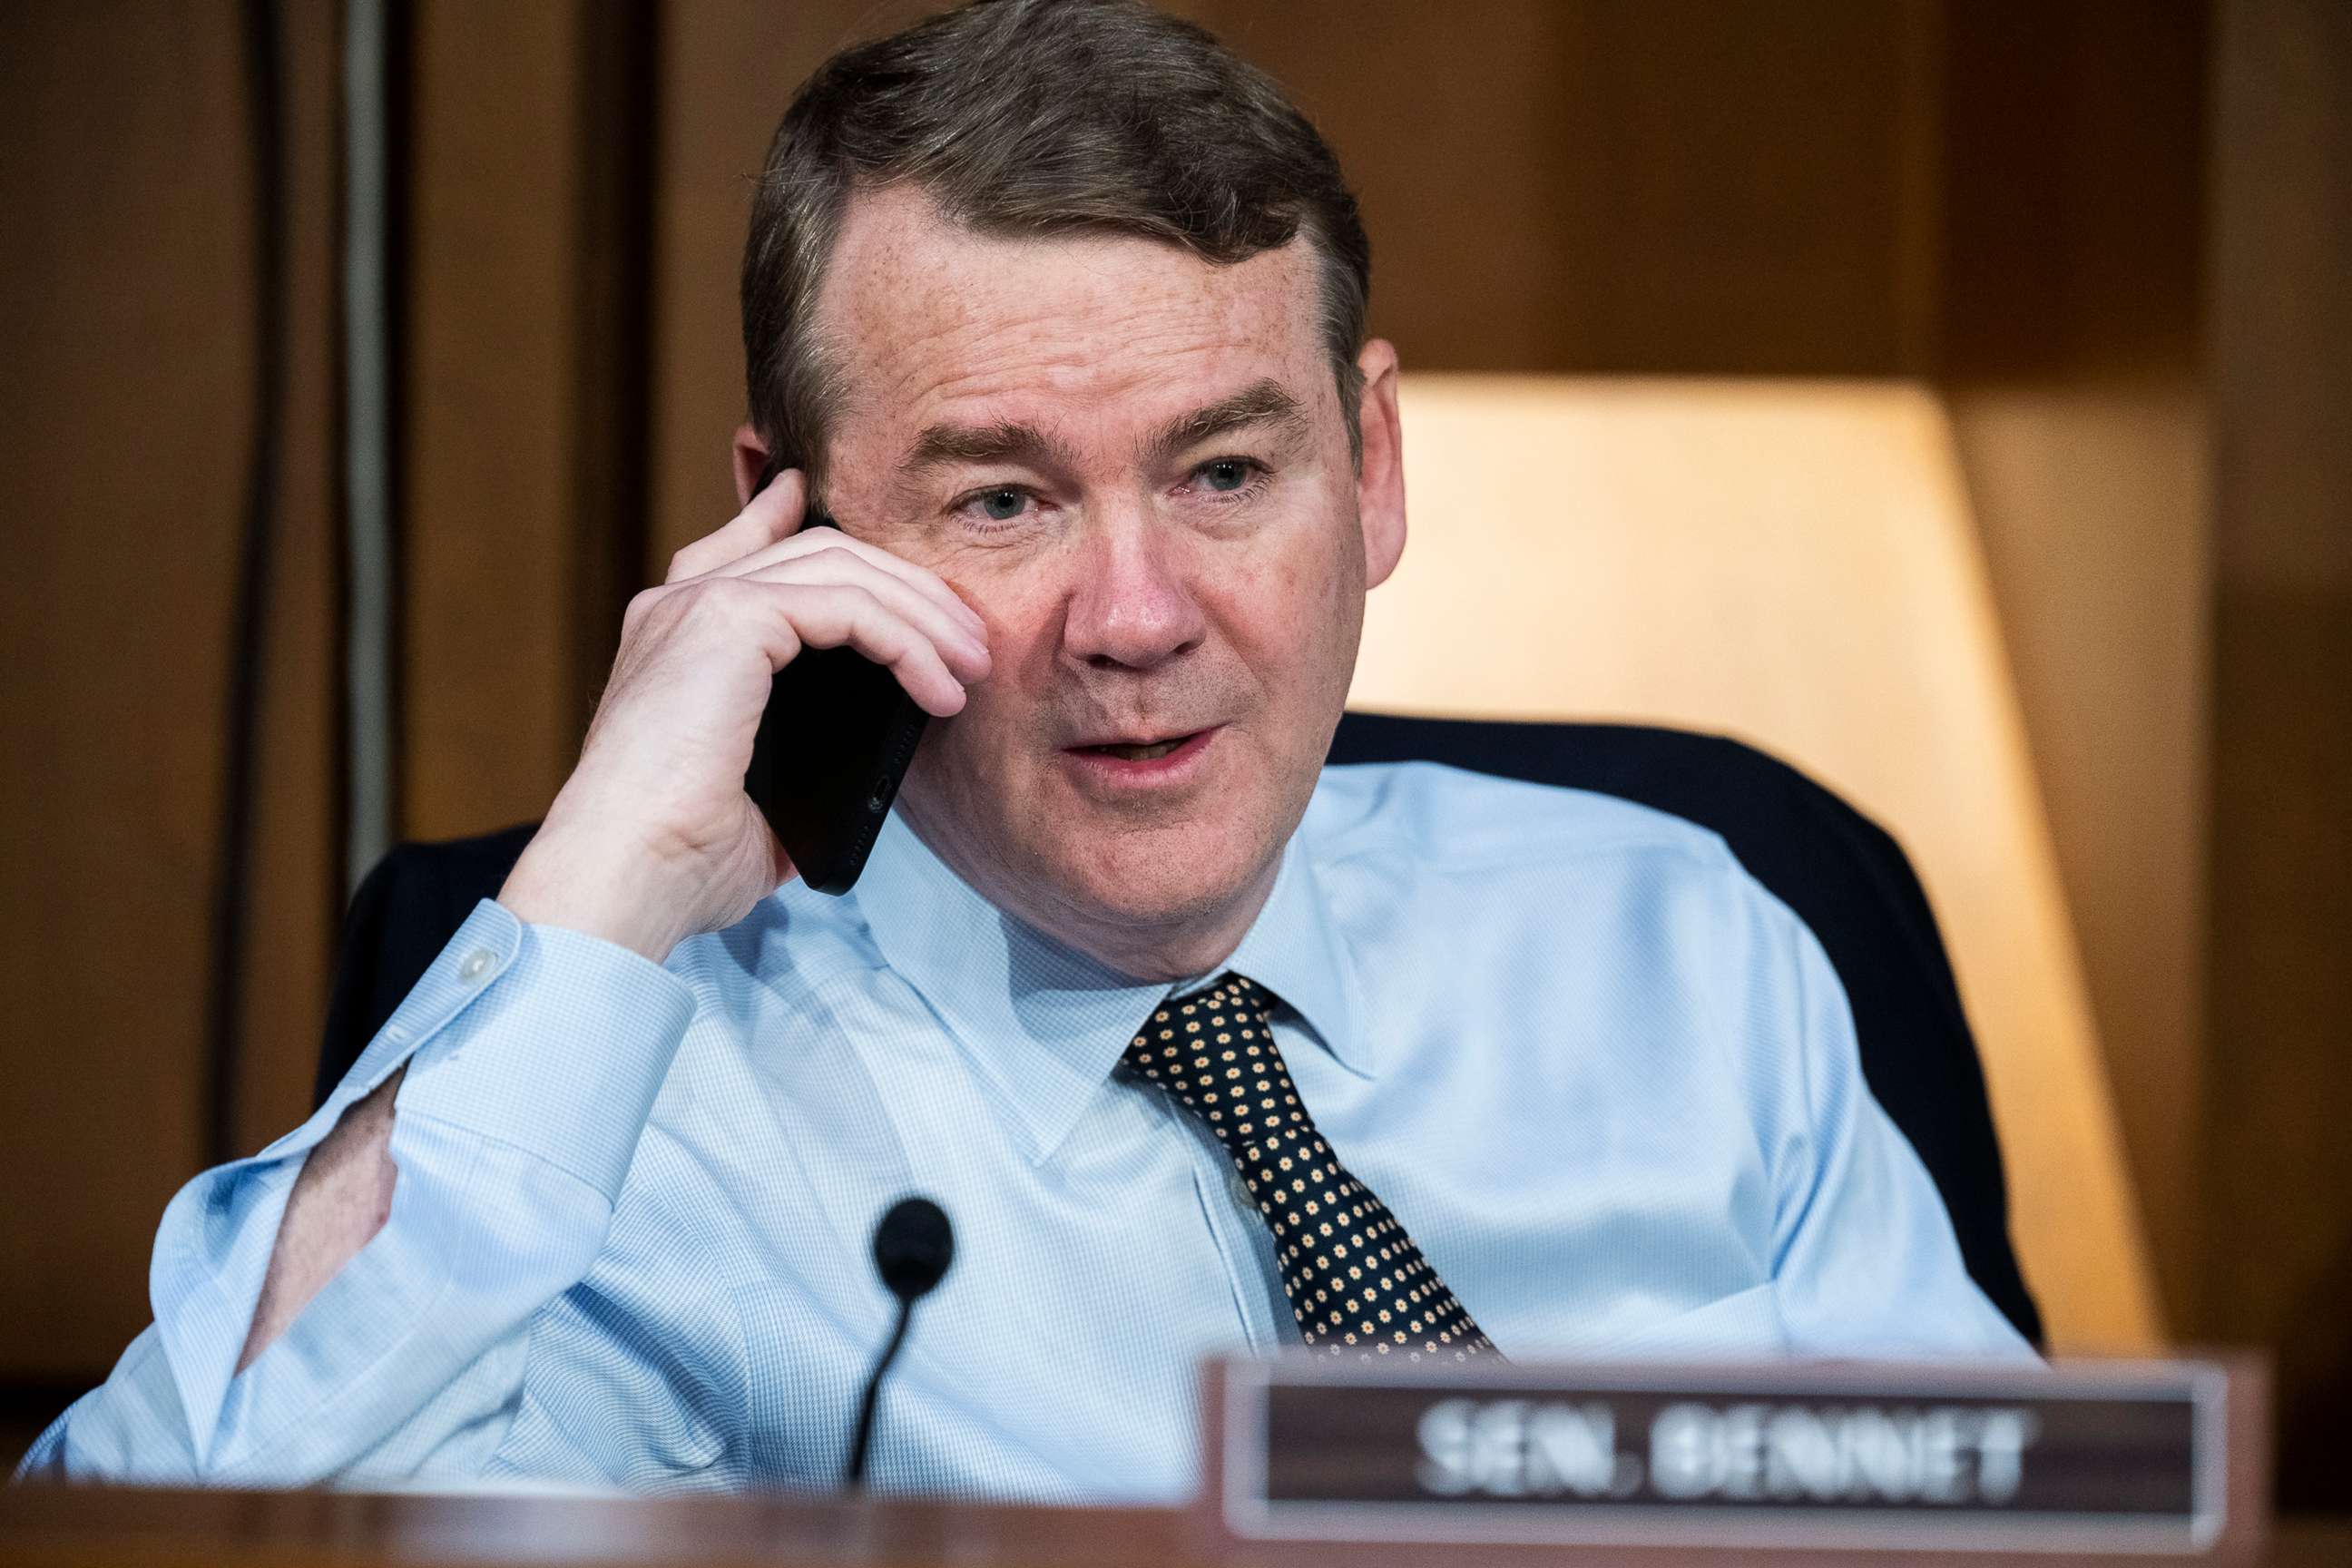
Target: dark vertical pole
x=612, y=430
x=224, y=1015
x=368, y=604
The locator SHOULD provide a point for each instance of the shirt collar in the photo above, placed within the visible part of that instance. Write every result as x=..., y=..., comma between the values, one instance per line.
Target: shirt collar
x=1042, y=1023
x=1293, y=950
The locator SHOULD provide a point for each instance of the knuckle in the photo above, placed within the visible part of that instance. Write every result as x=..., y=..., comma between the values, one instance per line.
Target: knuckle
x=703, y=602
x=844, y=598
x=725, y=597
x=852, y=612
x=641, y=604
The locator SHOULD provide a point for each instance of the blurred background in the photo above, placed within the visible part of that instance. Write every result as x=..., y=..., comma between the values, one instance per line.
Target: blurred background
x=288, y=582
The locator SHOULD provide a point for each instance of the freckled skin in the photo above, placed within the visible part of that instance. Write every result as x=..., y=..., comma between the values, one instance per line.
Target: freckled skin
x=1133, y=594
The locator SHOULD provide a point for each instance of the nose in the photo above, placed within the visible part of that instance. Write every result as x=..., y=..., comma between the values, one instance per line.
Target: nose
x=1131, y=606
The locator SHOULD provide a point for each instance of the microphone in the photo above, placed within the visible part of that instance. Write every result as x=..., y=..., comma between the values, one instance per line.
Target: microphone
x=912, y=1248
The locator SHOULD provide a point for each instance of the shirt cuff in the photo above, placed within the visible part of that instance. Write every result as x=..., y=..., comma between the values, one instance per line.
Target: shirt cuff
x=550, y=1041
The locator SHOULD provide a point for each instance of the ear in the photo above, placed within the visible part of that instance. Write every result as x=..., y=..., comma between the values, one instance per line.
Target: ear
x=1379, y=483
x=751, y=457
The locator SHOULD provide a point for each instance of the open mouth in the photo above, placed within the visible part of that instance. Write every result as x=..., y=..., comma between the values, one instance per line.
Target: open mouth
x=1136, y=751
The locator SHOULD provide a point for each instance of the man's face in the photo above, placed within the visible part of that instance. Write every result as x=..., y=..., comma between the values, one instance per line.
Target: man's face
x=1133, y=465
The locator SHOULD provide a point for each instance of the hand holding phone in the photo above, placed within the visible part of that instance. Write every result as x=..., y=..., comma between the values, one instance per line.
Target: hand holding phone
x=832, y=749
x=653, y=837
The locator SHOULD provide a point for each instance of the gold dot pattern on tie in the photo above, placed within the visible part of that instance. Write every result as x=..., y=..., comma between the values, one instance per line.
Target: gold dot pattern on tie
x=1355, y=1280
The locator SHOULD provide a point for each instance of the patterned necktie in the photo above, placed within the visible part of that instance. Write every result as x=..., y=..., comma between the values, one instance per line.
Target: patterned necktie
x=1355, y=1279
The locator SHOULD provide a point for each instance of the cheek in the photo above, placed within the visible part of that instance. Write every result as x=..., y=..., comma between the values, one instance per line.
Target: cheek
x=1297, y=616
x=1023, y=625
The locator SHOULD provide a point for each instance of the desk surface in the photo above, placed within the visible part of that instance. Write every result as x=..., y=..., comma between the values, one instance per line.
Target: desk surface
x=127, y=1528
x=70, y=1527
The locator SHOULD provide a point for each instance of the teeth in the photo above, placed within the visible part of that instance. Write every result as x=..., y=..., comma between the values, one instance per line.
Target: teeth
x=1140, y=753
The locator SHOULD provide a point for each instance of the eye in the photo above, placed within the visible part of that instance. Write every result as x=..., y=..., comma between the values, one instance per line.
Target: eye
x=1001, y=505
x=1228, y=474
x=1006, y=510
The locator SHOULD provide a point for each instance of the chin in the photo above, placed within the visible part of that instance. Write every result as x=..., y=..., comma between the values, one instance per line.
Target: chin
x=1161, y=893
x=1158, y=877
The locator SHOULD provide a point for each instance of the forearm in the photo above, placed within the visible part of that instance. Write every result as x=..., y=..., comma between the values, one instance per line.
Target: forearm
x=374, y=1273
x=339, y=1203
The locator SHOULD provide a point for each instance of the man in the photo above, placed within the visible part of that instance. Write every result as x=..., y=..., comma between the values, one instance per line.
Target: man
x=1059, y=309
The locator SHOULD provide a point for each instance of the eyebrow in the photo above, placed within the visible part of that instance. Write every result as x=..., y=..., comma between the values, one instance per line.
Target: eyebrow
x=940, y=446
x=1005, y=441
x=1260, y=403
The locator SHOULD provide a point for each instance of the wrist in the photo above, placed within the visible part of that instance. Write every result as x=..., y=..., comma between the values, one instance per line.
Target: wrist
x=561, y=882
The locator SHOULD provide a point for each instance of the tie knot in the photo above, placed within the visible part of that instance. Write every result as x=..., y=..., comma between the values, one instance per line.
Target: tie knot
x=1214, y=1051
x=1230, y=990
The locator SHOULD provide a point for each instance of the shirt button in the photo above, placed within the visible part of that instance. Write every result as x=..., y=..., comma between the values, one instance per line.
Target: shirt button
x=1240, y=1189
x=474, y=962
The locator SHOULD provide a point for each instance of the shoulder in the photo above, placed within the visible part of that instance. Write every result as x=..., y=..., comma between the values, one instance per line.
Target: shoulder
x=1443, y=819
x=1570, y=892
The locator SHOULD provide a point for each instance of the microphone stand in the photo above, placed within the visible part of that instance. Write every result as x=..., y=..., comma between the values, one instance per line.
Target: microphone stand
x=912, y=1248
x=855, y=1478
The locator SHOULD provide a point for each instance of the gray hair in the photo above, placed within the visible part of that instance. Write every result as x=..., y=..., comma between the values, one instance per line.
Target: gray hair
x=1038, y=117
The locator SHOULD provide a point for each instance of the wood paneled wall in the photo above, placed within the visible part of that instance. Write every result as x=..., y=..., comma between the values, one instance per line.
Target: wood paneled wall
x=2276, y=1260
x=2073, y=198
x=2016, y=199
x=524, y=381
x=126, y=306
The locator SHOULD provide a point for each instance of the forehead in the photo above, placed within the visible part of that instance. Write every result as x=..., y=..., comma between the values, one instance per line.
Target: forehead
x=926, y=320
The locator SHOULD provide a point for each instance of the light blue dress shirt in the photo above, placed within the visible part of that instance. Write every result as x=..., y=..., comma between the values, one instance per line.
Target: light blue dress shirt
x=1606, y=1081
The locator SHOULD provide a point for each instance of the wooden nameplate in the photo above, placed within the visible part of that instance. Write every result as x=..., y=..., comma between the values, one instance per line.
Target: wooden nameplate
x=2136, y=1461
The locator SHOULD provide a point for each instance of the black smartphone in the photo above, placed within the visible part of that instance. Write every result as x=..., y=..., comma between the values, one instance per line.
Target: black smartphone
x=833, y=746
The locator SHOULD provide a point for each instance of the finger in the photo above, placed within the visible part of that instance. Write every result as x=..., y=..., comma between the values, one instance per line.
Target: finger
x=767, y=519
x=962, y=646
x=844, y=614
x=808, y=543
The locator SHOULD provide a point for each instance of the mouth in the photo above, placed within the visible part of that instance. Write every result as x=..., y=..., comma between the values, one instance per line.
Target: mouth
x=1136, y=759
x=1136, y=751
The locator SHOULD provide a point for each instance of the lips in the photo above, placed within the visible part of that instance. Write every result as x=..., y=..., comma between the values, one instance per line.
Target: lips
x=1135, y=750
x=1138, y=745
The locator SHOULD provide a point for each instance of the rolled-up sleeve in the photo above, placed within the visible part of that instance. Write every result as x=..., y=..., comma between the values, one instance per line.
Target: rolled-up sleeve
x=534, y=1056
